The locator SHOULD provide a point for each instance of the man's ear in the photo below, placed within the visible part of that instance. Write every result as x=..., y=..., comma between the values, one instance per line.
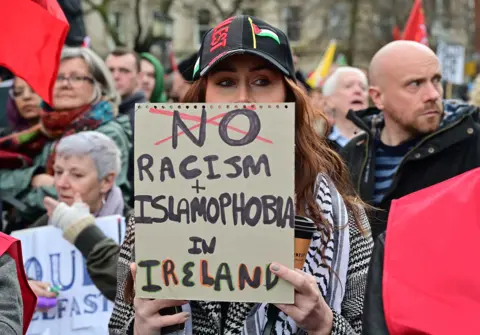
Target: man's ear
x=377, y=96
x=107, y=182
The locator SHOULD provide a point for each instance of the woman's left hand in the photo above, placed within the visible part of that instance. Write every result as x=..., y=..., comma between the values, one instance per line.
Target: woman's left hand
x=309, y=311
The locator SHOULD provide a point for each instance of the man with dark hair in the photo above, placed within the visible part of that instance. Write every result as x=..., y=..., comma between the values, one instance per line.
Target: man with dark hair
x=125, y=67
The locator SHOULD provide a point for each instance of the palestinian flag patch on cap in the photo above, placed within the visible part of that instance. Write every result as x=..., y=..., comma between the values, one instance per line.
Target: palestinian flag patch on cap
x=265, y=33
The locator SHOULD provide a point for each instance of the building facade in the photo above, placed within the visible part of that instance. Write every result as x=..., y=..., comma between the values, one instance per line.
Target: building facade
x=310, y=24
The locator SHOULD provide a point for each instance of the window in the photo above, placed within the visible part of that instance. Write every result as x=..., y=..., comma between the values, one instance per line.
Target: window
x=249, y=11
x=293, y=22
x=338, y=21
x=204, y=18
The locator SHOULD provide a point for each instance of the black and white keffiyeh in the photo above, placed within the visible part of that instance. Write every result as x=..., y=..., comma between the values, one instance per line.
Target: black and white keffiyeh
x=330, y=272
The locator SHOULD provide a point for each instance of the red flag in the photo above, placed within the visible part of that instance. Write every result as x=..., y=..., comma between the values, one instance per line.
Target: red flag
x=431, y=275
x=416, y=29
x=396, y=34
x=32, y=38
x=13, y=247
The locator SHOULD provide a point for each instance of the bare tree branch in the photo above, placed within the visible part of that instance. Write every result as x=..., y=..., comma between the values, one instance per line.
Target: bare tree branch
x=219, y=8
x=138, y=18
x=165, y=5
x=144, y=37
x=352, y=32
x=236, y=6
x=93, y=6
x=102, y=9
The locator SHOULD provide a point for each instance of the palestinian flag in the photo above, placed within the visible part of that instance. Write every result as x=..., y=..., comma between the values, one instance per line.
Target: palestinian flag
x=265, y=33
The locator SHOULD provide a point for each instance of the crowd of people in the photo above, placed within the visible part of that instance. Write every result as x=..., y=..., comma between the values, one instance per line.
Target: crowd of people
x=362, y=140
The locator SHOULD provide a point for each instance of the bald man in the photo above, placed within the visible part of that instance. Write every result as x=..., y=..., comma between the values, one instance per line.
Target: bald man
x=411, y=139
x=414, y=140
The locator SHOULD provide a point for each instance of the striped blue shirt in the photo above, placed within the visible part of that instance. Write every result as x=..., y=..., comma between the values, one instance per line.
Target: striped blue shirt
x=387, y=161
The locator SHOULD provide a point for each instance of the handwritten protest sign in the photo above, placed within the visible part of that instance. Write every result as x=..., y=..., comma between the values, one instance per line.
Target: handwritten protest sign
x=214, y=201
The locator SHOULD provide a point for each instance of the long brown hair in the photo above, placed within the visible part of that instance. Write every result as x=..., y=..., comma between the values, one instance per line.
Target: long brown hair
x=312, y=156
x=312, y=153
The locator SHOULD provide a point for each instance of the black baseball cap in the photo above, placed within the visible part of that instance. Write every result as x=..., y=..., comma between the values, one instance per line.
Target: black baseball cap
x=244, y=34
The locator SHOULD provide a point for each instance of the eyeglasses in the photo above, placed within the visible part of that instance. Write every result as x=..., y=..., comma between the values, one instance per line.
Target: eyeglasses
x=73, y=80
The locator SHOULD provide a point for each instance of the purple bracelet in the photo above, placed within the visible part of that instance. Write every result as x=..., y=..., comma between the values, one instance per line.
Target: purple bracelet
x=45, y=303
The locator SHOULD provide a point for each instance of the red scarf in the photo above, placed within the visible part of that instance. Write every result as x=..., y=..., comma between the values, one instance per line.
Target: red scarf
x=56, y=123
x=13, y=247
x=19, y=149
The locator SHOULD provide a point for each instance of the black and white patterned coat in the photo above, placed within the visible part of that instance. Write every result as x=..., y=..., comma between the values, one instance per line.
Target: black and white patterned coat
x=341, y=276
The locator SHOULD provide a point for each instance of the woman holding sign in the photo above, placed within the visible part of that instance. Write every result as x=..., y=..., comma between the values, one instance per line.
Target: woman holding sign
x=242, y=65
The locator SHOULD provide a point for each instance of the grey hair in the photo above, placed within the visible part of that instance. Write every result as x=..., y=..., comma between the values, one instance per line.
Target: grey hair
x=101, y=148
x=104, y=83
x=330, y=85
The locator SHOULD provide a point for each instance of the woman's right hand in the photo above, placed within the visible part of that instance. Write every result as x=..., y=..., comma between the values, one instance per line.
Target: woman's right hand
x=148, y=320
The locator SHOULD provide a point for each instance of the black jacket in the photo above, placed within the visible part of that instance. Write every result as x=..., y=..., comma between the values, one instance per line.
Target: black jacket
x=451, y=150
x=373, y=314
x=127, y=107
x=74, y=14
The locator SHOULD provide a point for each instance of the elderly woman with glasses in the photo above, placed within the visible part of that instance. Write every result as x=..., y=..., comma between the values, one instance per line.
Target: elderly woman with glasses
x=84, y=98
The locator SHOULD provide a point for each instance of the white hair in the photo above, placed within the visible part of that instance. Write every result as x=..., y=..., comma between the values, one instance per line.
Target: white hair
x=101, y=148
x=330, y=85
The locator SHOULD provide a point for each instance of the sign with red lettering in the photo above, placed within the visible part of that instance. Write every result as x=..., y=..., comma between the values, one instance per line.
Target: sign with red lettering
x=214, y=201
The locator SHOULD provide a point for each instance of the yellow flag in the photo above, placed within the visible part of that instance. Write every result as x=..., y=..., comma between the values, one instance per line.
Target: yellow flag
x=324, y=67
